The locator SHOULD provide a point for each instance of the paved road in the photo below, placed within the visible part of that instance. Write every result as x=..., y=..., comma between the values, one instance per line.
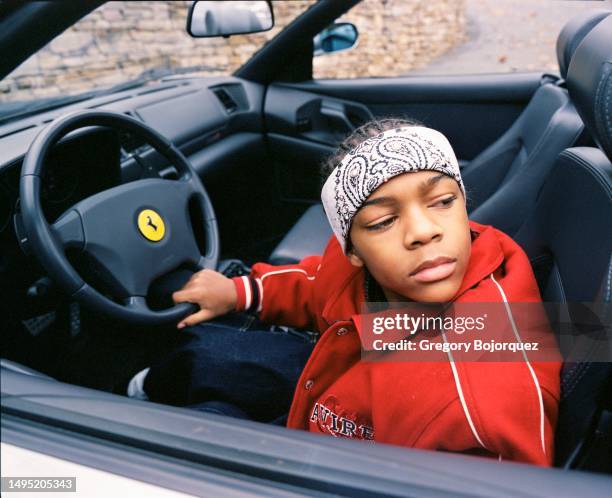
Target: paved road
x=510, y=35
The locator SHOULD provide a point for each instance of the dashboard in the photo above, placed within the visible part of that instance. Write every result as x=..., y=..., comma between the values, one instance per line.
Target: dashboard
x=192, y=113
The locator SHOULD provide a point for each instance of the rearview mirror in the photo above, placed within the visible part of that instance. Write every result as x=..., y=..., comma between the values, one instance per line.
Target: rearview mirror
x=335, y=38
x=213, y=18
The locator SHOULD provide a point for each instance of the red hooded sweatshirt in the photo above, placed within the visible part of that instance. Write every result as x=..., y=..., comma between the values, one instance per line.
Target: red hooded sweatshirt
x=503, y=410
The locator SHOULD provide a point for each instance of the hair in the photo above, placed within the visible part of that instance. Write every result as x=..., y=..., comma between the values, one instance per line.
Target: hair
x=361, y=134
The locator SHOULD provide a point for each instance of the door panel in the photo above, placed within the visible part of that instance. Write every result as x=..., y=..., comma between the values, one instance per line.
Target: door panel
x=312, y=116
x=472, y=111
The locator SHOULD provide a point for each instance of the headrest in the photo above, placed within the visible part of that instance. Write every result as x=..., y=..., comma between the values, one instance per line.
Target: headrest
x=589, y=83
x=572, y=34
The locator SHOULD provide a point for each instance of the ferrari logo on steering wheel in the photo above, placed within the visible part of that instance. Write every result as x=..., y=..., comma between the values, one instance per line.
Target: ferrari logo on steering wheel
x=151, y=225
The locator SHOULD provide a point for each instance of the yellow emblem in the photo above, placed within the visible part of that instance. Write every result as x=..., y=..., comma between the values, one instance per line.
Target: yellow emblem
x=151, y=225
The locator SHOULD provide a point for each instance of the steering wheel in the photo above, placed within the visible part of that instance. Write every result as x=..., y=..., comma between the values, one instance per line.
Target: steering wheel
x=134, y=233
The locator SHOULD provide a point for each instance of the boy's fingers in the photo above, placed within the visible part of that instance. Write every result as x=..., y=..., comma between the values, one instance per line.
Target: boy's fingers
x=193, y=281
x=179, y=296
x=198, y=317
x=194, y=278
x=185, y=295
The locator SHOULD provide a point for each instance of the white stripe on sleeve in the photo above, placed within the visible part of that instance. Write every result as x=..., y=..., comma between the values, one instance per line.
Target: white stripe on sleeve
x=248, y=296
x=261, y=292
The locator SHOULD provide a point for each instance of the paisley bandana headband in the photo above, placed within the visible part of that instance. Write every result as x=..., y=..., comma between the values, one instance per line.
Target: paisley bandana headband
x=377, y=160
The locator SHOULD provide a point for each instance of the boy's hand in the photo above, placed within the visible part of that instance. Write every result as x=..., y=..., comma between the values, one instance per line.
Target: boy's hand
x=212, y=291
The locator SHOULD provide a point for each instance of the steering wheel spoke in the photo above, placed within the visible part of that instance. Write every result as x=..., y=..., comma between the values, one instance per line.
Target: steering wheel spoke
x=138, y=303
x=69, y=231
x=207, y=263
x=186, y=187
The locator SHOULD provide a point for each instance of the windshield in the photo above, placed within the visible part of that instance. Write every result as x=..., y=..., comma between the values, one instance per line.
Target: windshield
x=125, y=43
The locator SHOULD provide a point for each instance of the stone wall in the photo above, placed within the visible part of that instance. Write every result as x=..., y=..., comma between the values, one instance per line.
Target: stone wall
x=395, y=37
x=120, y=40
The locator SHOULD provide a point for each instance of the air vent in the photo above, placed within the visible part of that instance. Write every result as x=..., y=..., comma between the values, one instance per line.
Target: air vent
x=226, y=100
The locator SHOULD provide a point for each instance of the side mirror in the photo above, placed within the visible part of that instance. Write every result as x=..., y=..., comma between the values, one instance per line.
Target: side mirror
x=213, y=18
x=335, y=38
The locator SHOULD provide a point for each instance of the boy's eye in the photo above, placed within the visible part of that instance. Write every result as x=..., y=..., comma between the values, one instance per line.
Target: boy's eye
x=381, y=224
x=446, y=202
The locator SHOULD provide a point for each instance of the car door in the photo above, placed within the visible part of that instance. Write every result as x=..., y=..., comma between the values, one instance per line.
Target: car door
x=307, y=120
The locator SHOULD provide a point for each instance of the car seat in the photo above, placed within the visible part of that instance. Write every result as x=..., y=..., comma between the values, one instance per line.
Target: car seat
x=568, y=238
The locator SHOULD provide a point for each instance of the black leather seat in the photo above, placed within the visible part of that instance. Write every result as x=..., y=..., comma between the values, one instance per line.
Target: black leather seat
x=308, y=236
x=569, y=240
x=503, y=180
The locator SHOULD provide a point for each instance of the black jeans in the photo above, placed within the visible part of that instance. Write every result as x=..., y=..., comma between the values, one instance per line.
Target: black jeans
x=235, y=365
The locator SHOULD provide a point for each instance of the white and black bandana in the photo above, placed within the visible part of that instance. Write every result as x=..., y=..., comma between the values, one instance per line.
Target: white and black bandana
x=377, y=160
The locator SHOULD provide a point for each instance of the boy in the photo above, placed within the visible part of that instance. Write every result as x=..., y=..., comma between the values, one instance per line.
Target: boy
x=396, y=203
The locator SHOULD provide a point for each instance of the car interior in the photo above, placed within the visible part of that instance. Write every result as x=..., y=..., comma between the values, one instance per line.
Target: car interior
x=535, y=153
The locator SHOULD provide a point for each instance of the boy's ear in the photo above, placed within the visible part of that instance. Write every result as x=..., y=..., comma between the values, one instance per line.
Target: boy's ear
x=354, y=258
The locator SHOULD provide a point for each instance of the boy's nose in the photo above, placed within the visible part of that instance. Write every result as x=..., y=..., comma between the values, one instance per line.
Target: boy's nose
x=420, y=231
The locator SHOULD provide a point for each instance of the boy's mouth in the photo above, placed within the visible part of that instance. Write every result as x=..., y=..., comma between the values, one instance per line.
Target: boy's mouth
x=433, y=270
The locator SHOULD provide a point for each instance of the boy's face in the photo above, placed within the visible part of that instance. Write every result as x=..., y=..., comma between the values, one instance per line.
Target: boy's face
x=412, y=234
